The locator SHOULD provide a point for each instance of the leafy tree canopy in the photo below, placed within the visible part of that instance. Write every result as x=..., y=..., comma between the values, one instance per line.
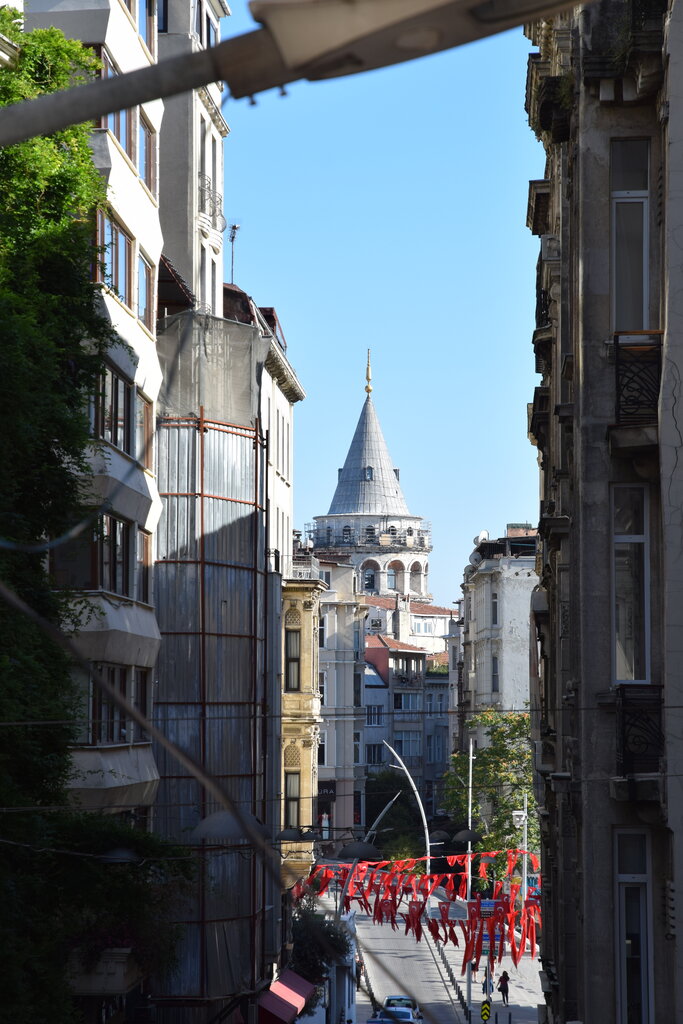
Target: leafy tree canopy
x=502, y=773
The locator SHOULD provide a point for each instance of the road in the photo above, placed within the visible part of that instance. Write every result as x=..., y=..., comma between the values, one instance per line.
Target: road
x=395, y=963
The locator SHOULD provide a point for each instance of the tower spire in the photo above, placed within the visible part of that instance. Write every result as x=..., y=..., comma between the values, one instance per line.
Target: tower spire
x=368, y=375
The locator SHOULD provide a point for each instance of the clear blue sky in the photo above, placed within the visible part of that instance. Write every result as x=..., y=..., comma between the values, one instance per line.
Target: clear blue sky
x=387, y=210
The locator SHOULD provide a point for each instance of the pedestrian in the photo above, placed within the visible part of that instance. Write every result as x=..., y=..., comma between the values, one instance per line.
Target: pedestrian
x=503, y=986
x=487, y=985
x=359, y=972
x=474, y=966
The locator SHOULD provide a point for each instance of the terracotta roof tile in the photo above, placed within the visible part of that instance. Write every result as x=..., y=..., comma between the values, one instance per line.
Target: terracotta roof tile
x=377, y=640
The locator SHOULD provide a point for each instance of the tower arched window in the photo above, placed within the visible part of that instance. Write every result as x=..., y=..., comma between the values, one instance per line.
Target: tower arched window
x=391, y=579
x=346, y=534
x=369, y=533
x=367, y=473
x=368, y=579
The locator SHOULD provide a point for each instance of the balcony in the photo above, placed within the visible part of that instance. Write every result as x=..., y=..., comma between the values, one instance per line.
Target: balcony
x=211, y=204
x=638, y=371
x=391, y=539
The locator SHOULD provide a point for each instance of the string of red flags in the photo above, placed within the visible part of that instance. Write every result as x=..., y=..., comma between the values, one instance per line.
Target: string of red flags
x=393, y=893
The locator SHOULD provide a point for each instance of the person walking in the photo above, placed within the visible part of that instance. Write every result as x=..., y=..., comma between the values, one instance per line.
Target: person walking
x=503, y=986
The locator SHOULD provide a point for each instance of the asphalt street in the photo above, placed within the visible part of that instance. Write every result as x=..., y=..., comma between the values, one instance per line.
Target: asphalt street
x=396, y=963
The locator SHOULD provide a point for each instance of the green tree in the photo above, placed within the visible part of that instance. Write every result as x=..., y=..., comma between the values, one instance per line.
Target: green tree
x=502, y=773
x=401, y=833
x=317, y=944
x=58, y=897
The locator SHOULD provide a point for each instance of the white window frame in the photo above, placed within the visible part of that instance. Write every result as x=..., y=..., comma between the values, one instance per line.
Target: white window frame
x=644, y=883
x=322, y=746
x=632, y=538
x=374, y=714
x=641, y=197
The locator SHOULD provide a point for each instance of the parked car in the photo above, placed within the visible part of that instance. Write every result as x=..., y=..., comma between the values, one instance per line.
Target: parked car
x=399, y=1004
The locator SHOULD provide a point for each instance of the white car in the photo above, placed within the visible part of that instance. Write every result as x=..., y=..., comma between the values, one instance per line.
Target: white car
x=402, y=1008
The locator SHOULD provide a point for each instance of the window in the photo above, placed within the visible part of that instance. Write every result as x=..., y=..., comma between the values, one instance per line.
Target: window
x=143, y=562
x=107, y=722
x=162, y=16
x=367, y=474
x=369, y=534
x=429, y=741
x=113, y=410
x=429, y=703
x=146, y=20
x=391, y=579
x=321, y=686
x=633, y=933
x=356, y=748
x=374, y=753
x=292, y=789
x=368, y=579
x=292, y=659
x=406, y=705
x=495, y=680
x=346, y=535
x=630, y=180
x=147, y=154
x=116, y=264
x=392, y=531
x=142, y=694
x=439, y=703
x=322, y=621
x=494, y=608
x=120, y=124
x=374, y=714
x=145, y=292
x=143, y=431
x=113, y=549
x=211, y=37
x=454, y=656
x=630, y=581
x=357, y=690
x=322, y=748
x=408, y=743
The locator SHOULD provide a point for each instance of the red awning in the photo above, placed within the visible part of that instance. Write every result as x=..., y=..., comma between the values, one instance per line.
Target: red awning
x=274, y=1010
x=285, y=999
x=293, y=988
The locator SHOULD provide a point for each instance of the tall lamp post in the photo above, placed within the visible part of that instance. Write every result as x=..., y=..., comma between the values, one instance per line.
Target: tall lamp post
x=400, y=764
x=520, y=820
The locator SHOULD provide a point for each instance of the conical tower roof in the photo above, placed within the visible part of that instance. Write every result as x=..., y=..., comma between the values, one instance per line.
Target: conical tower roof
x=368, y=483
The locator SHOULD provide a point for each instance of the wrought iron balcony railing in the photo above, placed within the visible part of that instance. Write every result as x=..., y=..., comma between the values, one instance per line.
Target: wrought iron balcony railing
x=638, y=362
x=640, y=740
x=211, y=203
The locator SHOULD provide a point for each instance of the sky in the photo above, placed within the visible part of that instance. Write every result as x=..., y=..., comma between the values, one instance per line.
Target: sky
x=387, y=211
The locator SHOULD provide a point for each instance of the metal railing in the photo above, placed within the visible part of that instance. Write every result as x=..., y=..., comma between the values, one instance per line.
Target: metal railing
x=638, y=365
x=211, y=203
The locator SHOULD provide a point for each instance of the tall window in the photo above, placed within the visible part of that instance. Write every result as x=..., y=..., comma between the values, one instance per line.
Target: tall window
x=142, y=698
x=357, y=690
x=356, y=748
x=406, y=705
x=374, y=753
x=633, y=933
x=120, y=123
x=494, y=608
x=322, y=622
x=630, y=183
x=322, y=748
x=391, y=579
x=429, y=740
x=408, y=743
x=321, y=686
x=116, y=258
x=630, y=583
x=292, y=790
x=368, y=579
x=147, y=153
x=145, y=292
x=113, y=410
x=146, y=20
x=113, y=549
x=143, y=431
x=292, y=659
x=143, y=562
x=108, y=724
x=495, y=679
x=374, y=714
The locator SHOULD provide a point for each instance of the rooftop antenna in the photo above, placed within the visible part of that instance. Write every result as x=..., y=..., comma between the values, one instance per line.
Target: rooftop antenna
x=368, y=375
x=234, y=228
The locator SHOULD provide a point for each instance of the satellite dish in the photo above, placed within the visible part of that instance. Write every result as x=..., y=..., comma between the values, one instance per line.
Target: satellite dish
x=475, y=558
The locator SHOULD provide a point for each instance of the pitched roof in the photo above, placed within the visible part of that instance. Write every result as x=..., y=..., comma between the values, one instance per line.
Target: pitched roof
x=416, y=607
x=367, y=457
x=378, y=640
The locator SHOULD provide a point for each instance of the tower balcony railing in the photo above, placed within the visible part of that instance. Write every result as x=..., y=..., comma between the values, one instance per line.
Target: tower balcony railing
x=638, y=364
x=211, y=203
x=390, y=539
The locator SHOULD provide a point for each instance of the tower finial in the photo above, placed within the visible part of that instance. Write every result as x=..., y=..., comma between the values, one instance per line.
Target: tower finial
x=368, y=375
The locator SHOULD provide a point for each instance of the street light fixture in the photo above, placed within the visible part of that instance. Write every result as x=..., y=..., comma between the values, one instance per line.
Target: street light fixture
x=313, y=39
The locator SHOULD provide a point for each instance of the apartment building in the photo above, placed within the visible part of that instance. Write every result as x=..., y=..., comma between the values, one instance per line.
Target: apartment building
x=603, y=97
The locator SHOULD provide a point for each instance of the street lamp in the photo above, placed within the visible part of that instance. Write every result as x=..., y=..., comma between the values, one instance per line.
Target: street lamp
x=313, y=39
x=520, y=819
x=401, y=765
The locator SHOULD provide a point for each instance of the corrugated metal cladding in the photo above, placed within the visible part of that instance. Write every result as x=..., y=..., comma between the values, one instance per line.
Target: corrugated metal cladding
x=210, y=597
